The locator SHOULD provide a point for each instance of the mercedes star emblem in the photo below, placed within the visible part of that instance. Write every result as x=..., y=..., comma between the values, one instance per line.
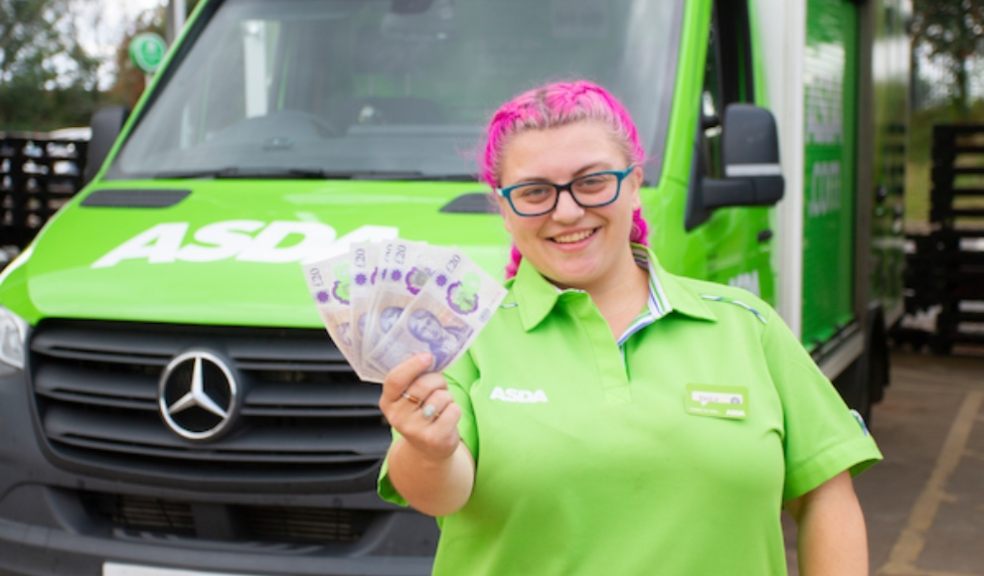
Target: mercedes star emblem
x=198, y=396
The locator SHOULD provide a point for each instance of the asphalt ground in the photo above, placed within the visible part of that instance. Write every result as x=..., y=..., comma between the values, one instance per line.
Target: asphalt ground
x=924, y=504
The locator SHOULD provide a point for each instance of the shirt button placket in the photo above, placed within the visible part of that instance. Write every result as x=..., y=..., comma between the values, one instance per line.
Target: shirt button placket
x=604, y=350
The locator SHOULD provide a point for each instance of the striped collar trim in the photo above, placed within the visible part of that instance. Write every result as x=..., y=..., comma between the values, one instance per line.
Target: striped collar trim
x=659, y=305
x=535, y=296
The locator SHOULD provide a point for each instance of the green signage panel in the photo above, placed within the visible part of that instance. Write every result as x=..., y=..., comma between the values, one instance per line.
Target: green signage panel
x=829, y=71
x=147, y=51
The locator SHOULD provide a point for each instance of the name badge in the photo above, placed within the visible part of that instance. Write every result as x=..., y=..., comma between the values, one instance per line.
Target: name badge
x=717, y=401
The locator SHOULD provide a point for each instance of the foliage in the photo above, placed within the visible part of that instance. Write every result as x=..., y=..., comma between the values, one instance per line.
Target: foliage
x=129, y=80
x=952, y=32
x=47, y=79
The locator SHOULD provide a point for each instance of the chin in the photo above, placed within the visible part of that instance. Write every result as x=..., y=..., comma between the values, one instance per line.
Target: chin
x=573, y=277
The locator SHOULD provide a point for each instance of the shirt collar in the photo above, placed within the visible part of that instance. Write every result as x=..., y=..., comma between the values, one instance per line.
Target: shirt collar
x=536, y=296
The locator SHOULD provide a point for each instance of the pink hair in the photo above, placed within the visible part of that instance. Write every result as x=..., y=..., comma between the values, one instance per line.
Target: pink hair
x=553, y=105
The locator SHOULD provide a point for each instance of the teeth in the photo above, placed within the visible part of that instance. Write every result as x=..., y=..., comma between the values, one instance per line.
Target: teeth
x=576, y=237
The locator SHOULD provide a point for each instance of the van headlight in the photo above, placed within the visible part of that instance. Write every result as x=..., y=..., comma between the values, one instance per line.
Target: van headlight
x=13, y=333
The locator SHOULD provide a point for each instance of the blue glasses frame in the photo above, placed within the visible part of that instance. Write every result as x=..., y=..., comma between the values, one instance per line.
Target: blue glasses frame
x=619, y=176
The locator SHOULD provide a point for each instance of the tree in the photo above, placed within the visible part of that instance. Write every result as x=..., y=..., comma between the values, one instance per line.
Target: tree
x=953, y=33
x=129, y=82
x=47, y=79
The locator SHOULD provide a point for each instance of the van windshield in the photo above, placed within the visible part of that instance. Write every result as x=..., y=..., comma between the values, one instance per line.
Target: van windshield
x=387, y=88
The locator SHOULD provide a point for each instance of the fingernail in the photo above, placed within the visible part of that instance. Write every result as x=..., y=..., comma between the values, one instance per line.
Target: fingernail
x=426, y=359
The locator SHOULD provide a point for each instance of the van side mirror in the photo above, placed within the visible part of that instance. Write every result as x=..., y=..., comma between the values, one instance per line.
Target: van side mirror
x=106, y=123
x=753, y=176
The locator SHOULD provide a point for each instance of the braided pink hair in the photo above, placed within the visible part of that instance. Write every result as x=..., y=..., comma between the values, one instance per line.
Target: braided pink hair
x=553, y=105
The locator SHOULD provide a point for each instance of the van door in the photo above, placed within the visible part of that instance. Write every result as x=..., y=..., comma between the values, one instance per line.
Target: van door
x=738, y=240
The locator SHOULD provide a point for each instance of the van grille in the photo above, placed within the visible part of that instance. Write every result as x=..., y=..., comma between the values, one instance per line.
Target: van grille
x=284, y=524
x=138, y=513
x=305, y=415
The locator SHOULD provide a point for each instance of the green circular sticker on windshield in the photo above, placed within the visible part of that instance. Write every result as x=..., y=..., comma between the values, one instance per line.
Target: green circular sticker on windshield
x=147, y=51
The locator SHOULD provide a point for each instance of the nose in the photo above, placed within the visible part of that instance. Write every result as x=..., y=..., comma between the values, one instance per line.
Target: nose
x=567, y=209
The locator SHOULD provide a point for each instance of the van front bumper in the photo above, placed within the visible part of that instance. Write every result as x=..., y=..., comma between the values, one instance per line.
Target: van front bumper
x=27, y=549
x=60, y=521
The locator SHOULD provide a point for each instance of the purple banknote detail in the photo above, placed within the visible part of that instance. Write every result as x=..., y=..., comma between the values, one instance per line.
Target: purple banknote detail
x=338, y=289
x=415, y=279
x=461, y=299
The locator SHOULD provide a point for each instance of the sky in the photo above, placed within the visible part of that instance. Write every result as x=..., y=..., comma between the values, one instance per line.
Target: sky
x=102, y=26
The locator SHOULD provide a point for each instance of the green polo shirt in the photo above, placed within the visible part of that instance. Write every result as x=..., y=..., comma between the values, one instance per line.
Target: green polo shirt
x=667, y=451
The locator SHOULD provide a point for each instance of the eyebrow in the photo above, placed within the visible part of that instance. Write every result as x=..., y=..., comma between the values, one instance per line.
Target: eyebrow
x=600, y=165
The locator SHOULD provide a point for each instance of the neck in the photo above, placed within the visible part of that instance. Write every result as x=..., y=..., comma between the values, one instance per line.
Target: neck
x=622, y=295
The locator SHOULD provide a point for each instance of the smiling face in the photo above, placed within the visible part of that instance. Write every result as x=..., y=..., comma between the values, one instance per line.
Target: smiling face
x=572, y=246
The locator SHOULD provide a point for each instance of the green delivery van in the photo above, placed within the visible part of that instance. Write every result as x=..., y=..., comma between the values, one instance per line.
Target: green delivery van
x=277, y=128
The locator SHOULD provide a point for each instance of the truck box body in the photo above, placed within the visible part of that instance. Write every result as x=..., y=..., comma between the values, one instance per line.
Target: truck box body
x=277, y=130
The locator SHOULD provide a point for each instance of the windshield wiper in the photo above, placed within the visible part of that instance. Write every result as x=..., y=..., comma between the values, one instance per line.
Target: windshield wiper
x=442, y=177
x=235, y=172
x=190, y=174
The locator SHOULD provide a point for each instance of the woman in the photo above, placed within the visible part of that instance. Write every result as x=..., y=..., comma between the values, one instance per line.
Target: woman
x=613, y=418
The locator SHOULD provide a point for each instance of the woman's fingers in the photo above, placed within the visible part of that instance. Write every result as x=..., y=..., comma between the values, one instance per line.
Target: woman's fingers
x=420, y=403
x=445, y=424
x=424, y=386
x=419, y=406
x=437, y=437
x=401, y=377
x=412, y=398
x=433, y=406
x=408, y=393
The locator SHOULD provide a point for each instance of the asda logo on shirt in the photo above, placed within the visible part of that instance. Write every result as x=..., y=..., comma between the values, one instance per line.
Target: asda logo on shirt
x=518, y=396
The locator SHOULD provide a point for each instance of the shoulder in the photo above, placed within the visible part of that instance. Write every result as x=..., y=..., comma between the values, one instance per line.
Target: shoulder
x=728, y=303
x=742, y=313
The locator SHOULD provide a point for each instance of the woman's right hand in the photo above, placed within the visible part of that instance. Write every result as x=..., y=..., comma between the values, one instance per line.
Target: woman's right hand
x=418, y=405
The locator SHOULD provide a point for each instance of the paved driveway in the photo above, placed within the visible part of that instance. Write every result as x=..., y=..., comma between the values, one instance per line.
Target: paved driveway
x=924, y=504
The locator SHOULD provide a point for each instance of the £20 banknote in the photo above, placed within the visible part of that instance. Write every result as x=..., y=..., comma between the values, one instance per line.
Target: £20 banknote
x=383, y=302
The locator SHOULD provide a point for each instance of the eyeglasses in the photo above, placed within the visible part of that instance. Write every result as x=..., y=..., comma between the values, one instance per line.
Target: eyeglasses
x=588, y=191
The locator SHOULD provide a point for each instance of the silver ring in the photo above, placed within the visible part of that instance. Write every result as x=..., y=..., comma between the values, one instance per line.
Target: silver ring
x=429, y=410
